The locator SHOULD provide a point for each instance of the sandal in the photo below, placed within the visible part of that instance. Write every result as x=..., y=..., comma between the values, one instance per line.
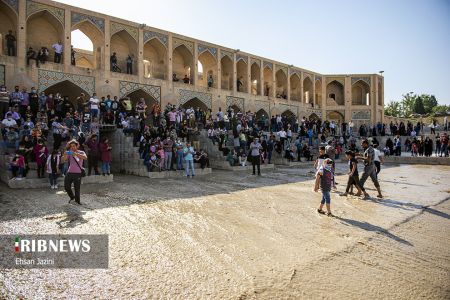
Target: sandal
x=320, y=211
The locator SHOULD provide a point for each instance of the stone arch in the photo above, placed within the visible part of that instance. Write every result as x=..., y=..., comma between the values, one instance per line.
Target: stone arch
x=97, y=37
x=318, y=100
x=268, y=81
x=194, y=103
x=360, y=93
x=66, y=88
x=123, y=44
x=226, y=65
x=290, y=116
x=380, y=93
x=235, y=108
x=281, y=87
x=43, y=30
x=262, y=113
x=308, y=90
x=336, y=116
x=182, y=61
x=313, y=116
x=155, y=59
x=8, y=21
x=255, y=77
x=137, y=95
x=209, y=64
x=295, y=87
x=335, y=93
x=84, y=62
x=242, y=75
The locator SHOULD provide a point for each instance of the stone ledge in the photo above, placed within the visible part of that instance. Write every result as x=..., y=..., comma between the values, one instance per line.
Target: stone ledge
x=182, y=173
x=417, y=160
x=226, y=166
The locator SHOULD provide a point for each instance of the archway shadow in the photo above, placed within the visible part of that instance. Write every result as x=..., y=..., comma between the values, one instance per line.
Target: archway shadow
x=374, y=228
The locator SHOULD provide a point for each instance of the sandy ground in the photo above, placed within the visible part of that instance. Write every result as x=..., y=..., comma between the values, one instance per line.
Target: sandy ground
x=237, y=236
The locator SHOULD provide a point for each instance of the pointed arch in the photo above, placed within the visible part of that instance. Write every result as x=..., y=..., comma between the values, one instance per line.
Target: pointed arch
x=335, y=93
x=313, y=116
x=242, y=75
x=226, y=66
x=195, y=103
x=8, y=22
x=209, y=64
x=268, y=80
x=295, y=87
x=281, y=87
x=66, y=88
x=183, y=62
x=336, y=116
x=308, y=90
x=262, y=115
x=123, y=44
x=155, y=59
x=255, y=78
x=360, y=93
x=97, y=38
x=43, y=30
x=140, y=94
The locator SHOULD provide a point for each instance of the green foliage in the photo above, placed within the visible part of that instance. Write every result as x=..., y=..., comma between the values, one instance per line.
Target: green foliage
x=412, y=104
x=440, y=109
x=418, y=106
x=392, y=109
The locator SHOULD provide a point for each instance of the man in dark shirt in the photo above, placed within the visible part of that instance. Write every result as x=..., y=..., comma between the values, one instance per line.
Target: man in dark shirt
x=11, y=43
x=369, y=169
x=31, y=54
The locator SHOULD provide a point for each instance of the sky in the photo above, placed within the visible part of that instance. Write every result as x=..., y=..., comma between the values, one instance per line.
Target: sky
x=408, y=40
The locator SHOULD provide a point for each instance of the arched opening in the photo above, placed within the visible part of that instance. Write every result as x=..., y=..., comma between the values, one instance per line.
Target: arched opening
x=295, y=88
x=155, y=59
x=318, y=100
x=138, y=95
x=335, y=116
x=360, y=93
x=242, y=76
x=380, y=93
x=261, y=115
x=281, y=80
x=335, y=93
x=209, y=67
x=290, y=116
x=255, y=77
x=313, y=117
x=88, y=43
x=268, y=81
x=308, y=91
x=226, y=65
x=8, y=21
x=195, y=103
x=123, y=44
x=66, y=88
x=44, y=30
x=182, y=62
x=235, y=108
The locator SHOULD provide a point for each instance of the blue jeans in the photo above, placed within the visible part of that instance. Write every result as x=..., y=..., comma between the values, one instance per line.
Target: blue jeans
x=190, y=164
x=168, y=160
x=94, y=113
x=53, y=178
x=180, y=161
x=326, y=198
x=105, y=167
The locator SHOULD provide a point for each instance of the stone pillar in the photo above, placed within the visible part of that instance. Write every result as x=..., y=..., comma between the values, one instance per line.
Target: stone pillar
x=324, y=98
x=67, y=42
x=249, y=75
x=107, y=47
x=373, y=98
x=234, y=73
x=261, y=78
x=196, y=64
x=21, y=43
x=274, y=81
x=348, y=98
x=169, y=59
x=302, y=93
x=314, y=92
x=289, y=87
x=140, y=59
x=219, y=70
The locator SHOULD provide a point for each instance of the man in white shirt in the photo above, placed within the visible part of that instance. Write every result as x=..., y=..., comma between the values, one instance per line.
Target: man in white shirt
x=94, y=103
x=282, y=134
x=58, y=47
x=350, y=127
x=377, y=158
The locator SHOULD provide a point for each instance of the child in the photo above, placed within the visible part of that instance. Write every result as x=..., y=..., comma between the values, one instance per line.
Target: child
x=322, y=156
x=17, y=167
x=324, y=179
x=52, y=167
x=353, y=178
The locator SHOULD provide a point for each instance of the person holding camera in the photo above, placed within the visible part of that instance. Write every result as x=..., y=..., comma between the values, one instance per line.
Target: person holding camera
x=75, y=172
x=255, y=148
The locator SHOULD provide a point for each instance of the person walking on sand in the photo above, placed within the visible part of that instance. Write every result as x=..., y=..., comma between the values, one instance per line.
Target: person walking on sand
x=324, y=180
x=369, y=169
x=353, y=177
x=75, y=158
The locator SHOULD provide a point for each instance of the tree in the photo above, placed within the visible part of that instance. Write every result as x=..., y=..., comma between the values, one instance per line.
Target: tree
x=441, y=109
x=429, y=102
x=418, y=106
x=407, y=104
x=393, y=109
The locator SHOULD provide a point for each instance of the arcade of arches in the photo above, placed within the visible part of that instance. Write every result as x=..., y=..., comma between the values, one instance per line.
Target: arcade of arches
x=157, y=56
